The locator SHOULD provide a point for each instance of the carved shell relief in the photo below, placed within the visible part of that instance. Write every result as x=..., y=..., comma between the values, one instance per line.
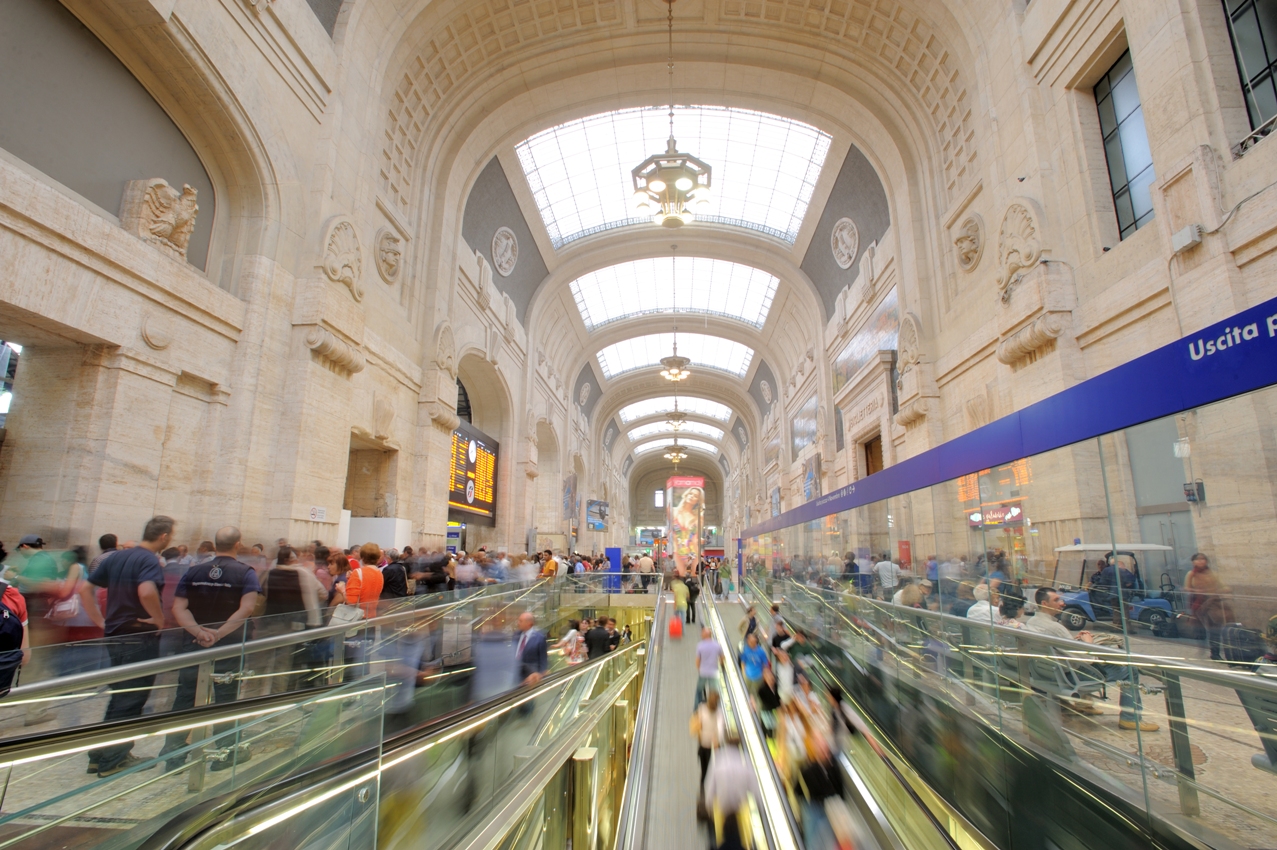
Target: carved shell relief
x=505, y=251
x=844, y=241
x=909, y=345
x=344, y=258
x=1019, y=248
x=969, y=242
x=446, y=349
x=389, y=255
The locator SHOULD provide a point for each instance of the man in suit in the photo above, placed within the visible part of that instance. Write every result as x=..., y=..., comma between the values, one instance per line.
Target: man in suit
x=532, y=653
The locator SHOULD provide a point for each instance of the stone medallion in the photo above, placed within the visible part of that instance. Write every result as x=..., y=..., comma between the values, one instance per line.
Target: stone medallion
x=845, y=242
x=505, y=251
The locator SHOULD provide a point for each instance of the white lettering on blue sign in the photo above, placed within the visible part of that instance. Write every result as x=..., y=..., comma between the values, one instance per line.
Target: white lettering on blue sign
x=1230, y=337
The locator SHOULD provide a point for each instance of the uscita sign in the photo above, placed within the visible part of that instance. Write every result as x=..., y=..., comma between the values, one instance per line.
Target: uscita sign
x=1199, y=348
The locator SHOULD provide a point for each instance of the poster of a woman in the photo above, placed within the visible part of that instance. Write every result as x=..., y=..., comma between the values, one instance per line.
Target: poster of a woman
x=686, y=502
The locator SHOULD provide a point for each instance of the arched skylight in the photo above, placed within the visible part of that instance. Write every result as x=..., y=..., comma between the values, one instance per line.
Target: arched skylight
x=651, y=406
x=688, y=428
x=765, y=167
x=639, y=352
x=714, y=287
x=669, y=441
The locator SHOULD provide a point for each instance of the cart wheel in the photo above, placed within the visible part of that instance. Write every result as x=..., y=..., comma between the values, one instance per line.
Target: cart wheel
x=1074, y=619
x=1159, y=623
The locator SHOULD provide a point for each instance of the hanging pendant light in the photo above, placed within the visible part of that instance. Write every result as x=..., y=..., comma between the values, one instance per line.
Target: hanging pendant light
x=673, y=367
x=667, y=185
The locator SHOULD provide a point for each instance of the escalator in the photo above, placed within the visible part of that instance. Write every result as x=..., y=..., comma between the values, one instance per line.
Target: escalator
x=974, y=716
x=283, y=752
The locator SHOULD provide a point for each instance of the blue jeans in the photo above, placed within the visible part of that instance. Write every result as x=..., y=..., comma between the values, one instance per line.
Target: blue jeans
x=817, y=832
x=704, y=684
x=1128, y=679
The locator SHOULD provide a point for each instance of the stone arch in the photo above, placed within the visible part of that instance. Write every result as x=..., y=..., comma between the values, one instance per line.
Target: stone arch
x=247, y=171
x=492, y=413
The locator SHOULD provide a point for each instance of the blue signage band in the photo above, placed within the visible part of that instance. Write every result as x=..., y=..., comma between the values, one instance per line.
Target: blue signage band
x=1226, y=359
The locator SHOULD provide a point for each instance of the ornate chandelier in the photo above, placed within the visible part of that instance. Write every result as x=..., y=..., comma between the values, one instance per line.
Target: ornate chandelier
x=677, y=418
x=676, y=455
x=667, y=185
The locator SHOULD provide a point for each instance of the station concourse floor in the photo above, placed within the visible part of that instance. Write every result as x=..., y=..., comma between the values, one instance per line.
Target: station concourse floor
x=672, y=791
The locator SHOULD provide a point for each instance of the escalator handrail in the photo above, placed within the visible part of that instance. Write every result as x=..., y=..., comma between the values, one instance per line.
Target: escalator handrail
x=891, y=766
x=234, y=802
x=630, y=821
x=106, y=675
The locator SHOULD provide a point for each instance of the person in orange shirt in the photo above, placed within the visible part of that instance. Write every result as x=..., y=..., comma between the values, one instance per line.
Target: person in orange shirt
x=363, y=585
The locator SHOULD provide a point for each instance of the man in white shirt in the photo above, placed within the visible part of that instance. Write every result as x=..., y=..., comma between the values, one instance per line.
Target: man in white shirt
x=645, y=568
x=888, y=575
x=731, y=780
x=1046, y=622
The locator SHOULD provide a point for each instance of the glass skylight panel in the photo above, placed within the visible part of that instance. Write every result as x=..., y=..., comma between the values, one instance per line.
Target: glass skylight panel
x=641, y=287
x=669, y=441
x=652, y=406
x=639, y=352
x=765, y=167
x=688, y=428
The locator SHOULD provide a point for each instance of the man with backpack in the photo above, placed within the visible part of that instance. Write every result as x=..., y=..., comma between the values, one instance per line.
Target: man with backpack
x=15, y=642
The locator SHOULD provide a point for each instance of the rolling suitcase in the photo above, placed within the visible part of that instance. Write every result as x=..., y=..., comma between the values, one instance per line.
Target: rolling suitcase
x=1240, y=645
x=676, y=627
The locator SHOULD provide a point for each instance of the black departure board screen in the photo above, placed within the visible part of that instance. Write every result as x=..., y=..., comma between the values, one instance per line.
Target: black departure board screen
x=473, y=470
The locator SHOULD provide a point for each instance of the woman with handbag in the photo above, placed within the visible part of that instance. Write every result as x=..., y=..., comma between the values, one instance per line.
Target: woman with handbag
x=74, y=612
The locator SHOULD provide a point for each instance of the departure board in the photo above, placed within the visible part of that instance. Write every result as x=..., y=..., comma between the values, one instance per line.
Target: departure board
x=473, y=470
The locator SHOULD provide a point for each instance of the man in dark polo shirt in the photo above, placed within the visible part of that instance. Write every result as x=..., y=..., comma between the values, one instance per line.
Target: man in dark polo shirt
x=212, y=602
x=133, y=579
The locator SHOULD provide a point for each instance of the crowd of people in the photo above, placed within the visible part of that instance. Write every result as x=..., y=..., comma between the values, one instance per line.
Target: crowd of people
x=63, y=612
x=806, y=726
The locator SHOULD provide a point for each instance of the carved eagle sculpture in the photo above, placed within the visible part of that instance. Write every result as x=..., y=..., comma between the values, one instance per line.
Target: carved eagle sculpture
x=170, y=215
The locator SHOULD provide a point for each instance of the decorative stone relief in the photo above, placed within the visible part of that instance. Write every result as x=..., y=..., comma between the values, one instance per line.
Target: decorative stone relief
x=1019, y=248
x=505, y=251
x=344, y=258
x=1033, y=336
x=329, y=347
x=740, y=432
x=970, y=242
x=909, y=344
x=389, y=255
x=156, y=332
x=445, y=349
x=979, y=411
x=584, y=397
x=383, y=417
x=483, y=295
x=495, y=341
x=259, y=6
x=443, y=417
x=911, y=412
x=155, y=212
x=844, y=241
x=766, y=390
x=530, y=426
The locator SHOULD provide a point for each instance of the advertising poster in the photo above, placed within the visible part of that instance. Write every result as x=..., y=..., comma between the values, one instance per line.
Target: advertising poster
x=880, y=332
x=596, y=515
x=571, y=504
x=685, y=505
x=472, y=492
x=802, y=432
x=811, y=477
